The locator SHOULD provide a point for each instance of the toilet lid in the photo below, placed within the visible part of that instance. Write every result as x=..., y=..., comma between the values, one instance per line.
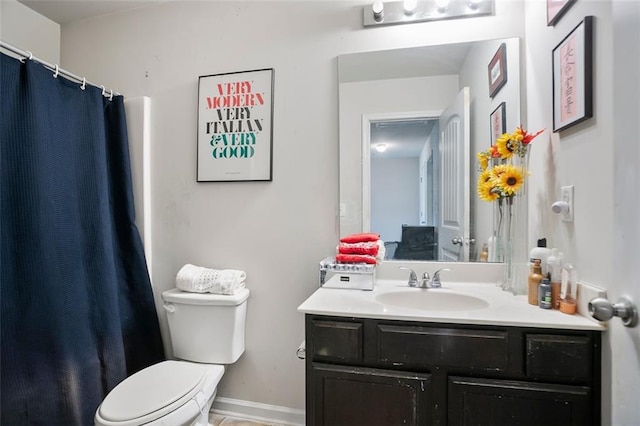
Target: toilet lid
x=158, y=389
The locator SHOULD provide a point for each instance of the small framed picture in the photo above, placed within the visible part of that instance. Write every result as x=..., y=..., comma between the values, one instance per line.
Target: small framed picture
x=498, y=122
x=498, y=70
x=573, y=77
x=556, y=9
x=235, y=126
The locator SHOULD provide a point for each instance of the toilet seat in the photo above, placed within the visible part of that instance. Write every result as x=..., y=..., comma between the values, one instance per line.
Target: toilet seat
x=169, y=388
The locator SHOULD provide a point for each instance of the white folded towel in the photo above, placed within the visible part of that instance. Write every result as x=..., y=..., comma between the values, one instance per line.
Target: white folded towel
x=382, y=250
x=197, y=279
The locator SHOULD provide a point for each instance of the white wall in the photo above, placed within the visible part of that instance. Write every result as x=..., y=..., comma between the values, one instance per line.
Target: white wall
x=275, y=231
x=581, y=155
x=394, y=199
x=481, y=108
x=30, y=31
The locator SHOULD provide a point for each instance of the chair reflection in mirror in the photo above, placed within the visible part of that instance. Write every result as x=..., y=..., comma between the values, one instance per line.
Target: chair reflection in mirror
x=390, y=248
x=417, y=243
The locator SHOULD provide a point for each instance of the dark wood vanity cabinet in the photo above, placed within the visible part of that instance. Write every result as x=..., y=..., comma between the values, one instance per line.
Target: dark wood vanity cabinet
x=366, y=372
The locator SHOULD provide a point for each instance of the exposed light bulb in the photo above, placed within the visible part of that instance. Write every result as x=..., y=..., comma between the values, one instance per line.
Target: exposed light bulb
x=381, y=147
x=410, y=6
x=442, y=5
x=378, y=11
x=473, y=4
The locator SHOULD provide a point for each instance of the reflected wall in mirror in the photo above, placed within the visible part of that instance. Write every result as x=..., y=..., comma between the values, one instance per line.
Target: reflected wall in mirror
x=420, y=193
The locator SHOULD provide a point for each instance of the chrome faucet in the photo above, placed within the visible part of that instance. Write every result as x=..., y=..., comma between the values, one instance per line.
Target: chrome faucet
x=413, y=279
x=435, y=281
x=426, y=281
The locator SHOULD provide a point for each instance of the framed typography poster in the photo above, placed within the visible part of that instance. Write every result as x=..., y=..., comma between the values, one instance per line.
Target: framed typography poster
x=573, y=77
x=498, y=120
x=235, y=126
x=556, y=9
x=498, y=70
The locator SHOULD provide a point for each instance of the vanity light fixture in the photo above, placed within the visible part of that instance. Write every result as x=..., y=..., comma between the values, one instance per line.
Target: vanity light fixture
x=381, y=147
x=378, y=11
x=412, y=11
x=441, y=5
x=409, y=6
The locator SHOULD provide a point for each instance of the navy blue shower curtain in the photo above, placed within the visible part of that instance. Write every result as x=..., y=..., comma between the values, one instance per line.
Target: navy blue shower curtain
x=77, y=309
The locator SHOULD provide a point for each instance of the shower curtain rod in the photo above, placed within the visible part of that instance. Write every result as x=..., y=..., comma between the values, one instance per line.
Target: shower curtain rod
x=57, y=70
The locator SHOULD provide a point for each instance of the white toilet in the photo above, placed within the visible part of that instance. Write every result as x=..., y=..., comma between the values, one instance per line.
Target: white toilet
x=206, y=330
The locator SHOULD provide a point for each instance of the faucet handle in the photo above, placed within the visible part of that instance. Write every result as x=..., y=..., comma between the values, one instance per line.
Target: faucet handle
x=435, y=282
x=413, y=279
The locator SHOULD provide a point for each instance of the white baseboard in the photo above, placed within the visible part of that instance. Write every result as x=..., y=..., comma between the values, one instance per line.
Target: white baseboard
x=265, y=413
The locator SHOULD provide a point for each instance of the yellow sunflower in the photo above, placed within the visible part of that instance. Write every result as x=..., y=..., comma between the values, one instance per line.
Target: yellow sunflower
x=503, y=146
x=486, y=191
x=511, y=180
x=485, y=176
x=497, y=171
x=519, y=134
x=483, y=159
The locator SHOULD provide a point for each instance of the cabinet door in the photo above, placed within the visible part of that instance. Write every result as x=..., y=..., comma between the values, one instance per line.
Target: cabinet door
x=356, y=396
x=506, y=402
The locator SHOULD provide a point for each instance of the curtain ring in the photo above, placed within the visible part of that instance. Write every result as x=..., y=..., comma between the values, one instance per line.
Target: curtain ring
x=111, y=95
x=30, y=57
x=104, y=91
x=55, y=74
x=84, y=83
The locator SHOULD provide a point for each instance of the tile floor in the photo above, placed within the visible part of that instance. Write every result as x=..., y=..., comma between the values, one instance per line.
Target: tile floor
x=218, y=420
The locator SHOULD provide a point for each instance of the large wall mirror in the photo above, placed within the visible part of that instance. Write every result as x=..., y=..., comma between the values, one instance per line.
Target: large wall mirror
x=411, y=121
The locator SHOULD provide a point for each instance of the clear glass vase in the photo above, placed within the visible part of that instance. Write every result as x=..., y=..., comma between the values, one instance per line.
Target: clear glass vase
x=516, y=234
x=498, y=231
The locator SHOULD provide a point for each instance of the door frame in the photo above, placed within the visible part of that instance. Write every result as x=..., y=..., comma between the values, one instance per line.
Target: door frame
x=367, y=119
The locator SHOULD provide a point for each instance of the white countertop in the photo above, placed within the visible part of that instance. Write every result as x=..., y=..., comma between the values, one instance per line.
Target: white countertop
x=504, y=308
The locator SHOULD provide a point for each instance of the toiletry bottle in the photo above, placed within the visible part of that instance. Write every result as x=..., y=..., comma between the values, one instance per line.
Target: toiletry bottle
x=544, y=294
x=534, y=281
x=484, y=253
x=569, y=289
x=554, y=264
x=540, y=252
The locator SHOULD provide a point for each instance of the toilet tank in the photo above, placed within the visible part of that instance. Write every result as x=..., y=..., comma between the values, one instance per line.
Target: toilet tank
x=204, y=327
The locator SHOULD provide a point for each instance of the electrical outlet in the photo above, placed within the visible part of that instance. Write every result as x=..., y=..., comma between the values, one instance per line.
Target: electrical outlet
x=566, y=195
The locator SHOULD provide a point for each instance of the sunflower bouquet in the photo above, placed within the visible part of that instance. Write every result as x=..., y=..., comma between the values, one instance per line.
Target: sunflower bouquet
x=500, y=177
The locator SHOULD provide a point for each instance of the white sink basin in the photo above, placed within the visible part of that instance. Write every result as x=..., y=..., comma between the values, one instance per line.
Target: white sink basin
x=432, y=300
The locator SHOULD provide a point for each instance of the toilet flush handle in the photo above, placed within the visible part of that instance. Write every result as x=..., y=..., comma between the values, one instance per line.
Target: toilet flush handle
x=169, y=307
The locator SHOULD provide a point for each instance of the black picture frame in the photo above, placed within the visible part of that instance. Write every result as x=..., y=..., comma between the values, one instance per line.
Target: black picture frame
x=235, y=126
x=556, y=10
x=497, y=70
x=572, y=62
x=498, y=122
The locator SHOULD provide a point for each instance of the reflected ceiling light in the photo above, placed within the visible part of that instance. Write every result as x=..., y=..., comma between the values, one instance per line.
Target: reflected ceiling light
x=410, y=6
x=378, y=11
x=381, y=12
x=381, y=147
